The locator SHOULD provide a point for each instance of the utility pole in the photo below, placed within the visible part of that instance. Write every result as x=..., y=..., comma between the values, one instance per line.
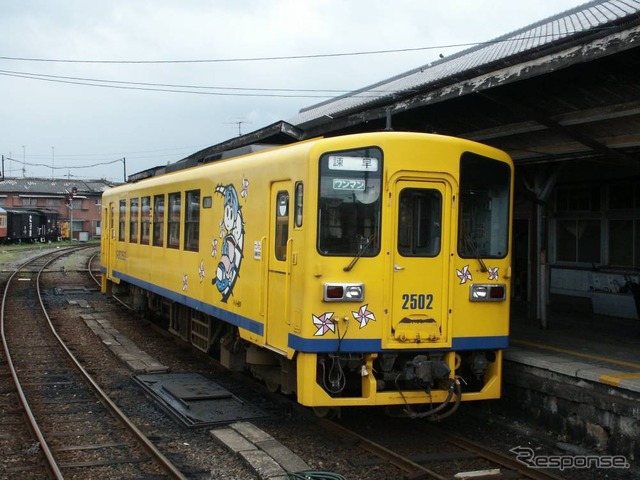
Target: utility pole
x=24, y=162
x=52, y=161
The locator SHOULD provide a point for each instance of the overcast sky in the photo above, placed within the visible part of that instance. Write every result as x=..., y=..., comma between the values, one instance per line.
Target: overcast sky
x=71, y=126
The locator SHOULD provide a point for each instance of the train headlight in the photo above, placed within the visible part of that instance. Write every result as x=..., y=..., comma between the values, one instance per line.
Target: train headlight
x=487, y=292
x=343, y=292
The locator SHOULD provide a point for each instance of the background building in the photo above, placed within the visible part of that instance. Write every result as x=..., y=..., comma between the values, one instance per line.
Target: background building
x=82, y=212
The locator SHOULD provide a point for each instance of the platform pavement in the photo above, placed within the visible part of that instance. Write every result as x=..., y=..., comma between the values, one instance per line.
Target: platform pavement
x=590, y=347
x=267, y=457
x=137, y=360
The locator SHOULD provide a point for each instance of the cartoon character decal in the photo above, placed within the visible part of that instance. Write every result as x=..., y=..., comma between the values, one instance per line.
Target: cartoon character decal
x=232, y=235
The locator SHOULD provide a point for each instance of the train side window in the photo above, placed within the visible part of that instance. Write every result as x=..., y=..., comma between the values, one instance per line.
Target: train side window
x=192, y=221
x=282, y=225
x=158, y=220
x=173, y=230
x=112, y=222
x=133, y=220
x=298, y=205
x=122, y=220
x=145, y=216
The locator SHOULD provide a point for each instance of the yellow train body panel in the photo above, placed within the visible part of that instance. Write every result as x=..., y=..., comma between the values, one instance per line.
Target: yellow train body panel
x=378, y=256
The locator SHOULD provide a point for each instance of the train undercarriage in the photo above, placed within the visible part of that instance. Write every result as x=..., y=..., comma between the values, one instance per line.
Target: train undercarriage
x=338, y=376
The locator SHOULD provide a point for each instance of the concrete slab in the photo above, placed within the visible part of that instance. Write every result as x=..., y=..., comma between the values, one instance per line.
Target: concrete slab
x=288, y=460
x=233, y=440
x=136, y=360
x=251, y=432
x=264, y=466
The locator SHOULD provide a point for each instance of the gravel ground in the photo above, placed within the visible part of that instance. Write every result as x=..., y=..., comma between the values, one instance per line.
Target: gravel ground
x=201, y=457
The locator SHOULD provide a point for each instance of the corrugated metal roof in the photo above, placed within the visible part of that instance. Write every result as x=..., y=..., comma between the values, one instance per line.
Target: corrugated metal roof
x=561, y=27
x=52, y=187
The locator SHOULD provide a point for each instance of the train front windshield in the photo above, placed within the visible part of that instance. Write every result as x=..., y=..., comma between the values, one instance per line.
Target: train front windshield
x=349, y=203
x=484, y=207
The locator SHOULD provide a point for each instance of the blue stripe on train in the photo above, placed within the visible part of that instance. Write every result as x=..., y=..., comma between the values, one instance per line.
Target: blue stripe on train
x=230, y=317
x=316, y=345
x=311, y=345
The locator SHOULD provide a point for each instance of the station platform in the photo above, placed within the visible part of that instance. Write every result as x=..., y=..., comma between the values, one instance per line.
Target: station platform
x=591, y=347
x=579, y=378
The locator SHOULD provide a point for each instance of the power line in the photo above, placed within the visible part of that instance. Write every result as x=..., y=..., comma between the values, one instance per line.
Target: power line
x=203, y=87
x=230, y=60
x=299, y=57
x=164, y=90
x=61, y=168
x=159, y=152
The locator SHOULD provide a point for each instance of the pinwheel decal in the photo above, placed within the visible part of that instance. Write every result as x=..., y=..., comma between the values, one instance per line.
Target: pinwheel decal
x=363, y=316
x=464, y=274
x=201, y=271
x=323, y=323
x=493, y=273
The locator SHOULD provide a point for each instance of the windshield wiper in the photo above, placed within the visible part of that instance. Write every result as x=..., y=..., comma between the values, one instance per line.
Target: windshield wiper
x=471, y=244
x=360, y=253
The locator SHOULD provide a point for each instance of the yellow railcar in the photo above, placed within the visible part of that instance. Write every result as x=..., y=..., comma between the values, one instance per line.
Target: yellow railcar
x=361, y=270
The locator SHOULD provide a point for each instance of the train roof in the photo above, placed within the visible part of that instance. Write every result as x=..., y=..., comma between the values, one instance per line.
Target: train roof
x=18, y=210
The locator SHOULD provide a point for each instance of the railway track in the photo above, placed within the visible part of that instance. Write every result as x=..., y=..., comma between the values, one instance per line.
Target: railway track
x=384, y=450
x=74, y=429
x=426, y=451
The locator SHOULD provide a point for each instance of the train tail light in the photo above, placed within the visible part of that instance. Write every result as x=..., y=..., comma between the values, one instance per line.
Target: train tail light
x=487, y=292
x=334, y=292
x=343, y=292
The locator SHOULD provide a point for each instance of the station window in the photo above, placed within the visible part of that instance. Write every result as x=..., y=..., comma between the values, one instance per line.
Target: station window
x=192, y=221
x=122, y=220
x=578, y=199
x=158, y=220
x=133, y=220
x=173, y=230
x=578, y=240
x=624, y=242
x=145, y=217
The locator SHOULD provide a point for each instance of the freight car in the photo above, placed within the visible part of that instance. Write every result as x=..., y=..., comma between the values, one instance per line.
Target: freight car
x=30, y=225
x=3, y=224
x=361, y=270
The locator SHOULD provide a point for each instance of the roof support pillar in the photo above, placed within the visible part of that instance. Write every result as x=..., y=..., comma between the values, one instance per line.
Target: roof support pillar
x=541, y=187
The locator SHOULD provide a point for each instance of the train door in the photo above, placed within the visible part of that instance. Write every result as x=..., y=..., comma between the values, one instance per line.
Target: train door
x=420, y=262
x=111, y=239
x=279, y=270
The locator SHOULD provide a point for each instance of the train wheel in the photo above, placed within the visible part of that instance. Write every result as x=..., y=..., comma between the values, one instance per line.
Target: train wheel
x=272, y=386
x=326, y=412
